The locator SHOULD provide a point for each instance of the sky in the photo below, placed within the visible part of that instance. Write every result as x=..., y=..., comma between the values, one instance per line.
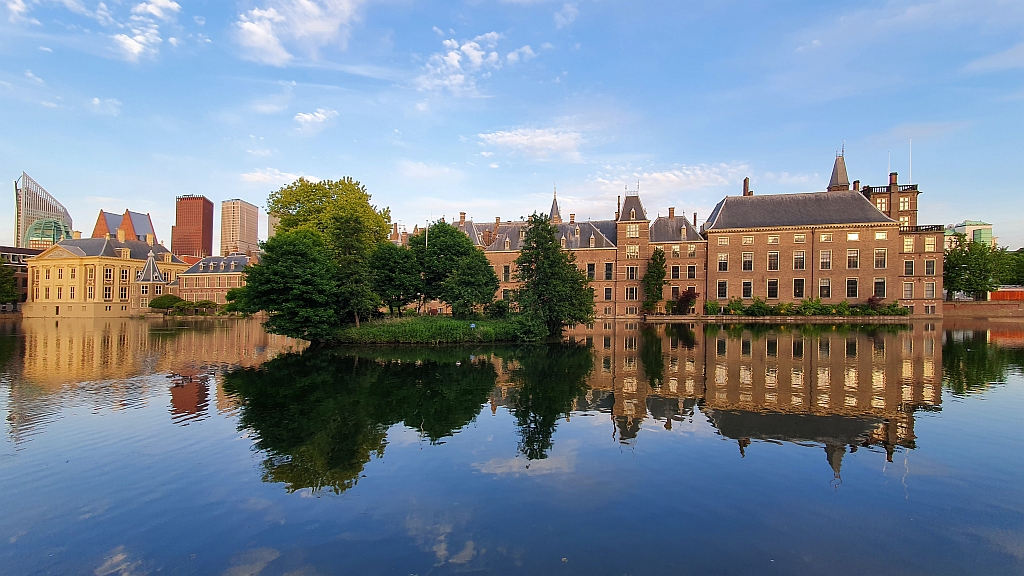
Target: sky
x=488, y=106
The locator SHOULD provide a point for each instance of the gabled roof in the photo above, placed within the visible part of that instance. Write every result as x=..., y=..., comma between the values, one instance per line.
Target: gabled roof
x=150, y=272
x=677, y=229
x=219, y=264
x=632, y=209
x=107, y=247
x=141, y=223
x=840, y=180
x=780, y=210
x=555, y=215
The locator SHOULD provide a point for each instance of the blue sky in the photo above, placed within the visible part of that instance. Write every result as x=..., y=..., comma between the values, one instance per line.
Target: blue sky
x=485, y=105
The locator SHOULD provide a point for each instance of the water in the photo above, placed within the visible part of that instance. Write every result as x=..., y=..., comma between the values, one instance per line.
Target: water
x=136, y=447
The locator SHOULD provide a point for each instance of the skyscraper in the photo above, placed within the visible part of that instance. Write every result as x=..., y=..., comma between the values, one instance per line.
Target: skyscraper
x=34, y=203
x=192, y=233
x=239, y=227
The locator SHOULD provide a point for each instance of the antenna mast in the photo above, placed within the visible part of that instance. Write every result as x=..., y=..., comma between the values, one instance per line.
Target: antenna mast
x=910, y=179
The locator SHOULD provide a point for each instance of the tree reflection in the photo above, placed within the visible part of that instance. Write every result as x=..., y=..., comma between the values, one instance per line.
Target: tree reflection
x=321, y=416
x=970, y=364
x=651, y=357
x=549, y=379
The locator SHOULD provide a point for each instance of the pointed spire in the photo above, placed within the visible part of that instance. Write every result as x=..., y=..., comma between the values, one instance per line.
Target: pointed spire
x=555, y=215
x=840, y=180
x=150, y=272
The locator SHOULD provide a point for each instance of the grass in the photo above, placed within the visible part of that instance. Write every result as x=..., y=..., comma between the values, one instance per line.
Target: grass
x=427, y=330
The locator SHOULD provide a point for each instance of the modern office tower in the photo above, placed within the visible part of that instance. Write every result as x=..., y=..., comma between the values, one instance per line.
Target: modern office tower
x=192, y=233
x=34, y=203
x=239, y=227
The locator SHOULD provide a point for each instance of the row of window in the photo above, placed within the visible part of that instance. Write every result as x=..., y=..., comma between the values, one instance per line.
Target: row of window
x=90, y=274
x=233, y=281
x=882, y=202
x=824, y=348
x=800, y=258
x=878, y=289
x=802, y=238
x=108, y=292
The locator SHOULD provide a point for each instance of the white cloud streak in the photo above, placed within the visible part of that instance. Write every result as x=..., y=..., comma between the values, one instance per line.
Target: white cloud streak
x=537, y=143
x=566, y=16
x=457, y=68
x=106, y=107
x=268, y=35
x=271, y=176
x=313, y=122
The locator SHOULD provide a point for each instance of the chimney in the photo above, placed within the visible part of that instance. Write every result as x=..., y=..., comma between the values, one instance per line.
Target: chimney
x=618, y=207
x=394, y=229
x=76, y=235
x=671, y=212
x=120, y=235
x=150, y=239
x=746, y=187
x=856, y=184
x=497, y=220
x=462, y=218
x=572, y=218
x=405, y=238
x=892, y=178
x=694, y=219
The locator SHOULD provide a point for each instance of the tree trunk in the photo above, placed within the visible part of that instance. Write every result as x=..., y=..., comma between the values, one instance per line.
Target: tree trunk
x=357, y=319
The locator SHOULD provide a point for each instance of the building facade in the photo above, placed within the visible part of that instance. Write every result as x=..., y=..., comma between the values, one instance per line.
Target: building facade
x=211, y=278
x=98, y=278
x=192, y=233
x=239, y=227
x=15, y=258
x=34, y=203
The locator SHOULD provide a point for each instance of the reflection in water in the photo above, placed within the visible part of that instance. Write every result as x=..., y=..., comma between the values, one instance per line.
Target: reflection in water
x=974, y=358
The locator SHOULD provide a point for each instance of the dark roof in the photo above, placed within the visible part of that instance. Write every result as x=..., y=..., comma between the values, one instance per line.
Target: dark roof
x=15, y=250
x=108, y=247
x=677, y=229
x=840, y=180
x=150, y=272
x=554, y=209
x=113, y=221
x=809, y=209
x=219, y=264
x=631, y=203
x=142, y=224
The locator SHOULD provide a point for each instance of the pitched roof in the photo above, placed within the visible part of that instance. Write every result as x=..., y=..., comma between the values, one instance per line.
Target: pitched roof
x=630, y=205
x=219, y=264
x=150, y=272
x=808, y=209
x=677, y=229
x=555, y=215
x=141, y=223
x=840, y=180
x=107, y=247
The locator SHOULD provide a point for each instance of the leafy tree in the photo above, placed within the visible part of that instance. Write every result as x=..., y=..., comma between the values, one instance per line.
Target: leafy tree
x=1009, y=266
x=164, y=302
x=8, y=283
x=472, y=283
x=686, y=300
x=439, y=249
x=969, y=267
x=238, y=301
x=395, y=275
x=553, y=291
x=653, y=281
x=296, y=283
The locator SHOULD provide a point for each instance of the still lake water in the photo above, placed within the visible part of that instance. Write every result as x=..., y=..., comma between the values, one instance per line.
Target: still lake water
x=136, y=447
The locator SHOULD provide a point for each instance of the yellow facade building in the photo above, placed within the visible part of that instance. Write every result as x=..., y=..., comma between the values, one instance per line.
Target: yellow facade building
x=99, y=278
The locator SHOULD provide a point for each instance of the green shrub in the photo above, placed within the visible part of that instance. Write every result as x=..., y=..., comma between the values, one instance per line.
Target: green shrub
x=712, y=308
x=497, y=309
x=758, y=308
x=735, y=306
x=427, y=330
x=164, y=302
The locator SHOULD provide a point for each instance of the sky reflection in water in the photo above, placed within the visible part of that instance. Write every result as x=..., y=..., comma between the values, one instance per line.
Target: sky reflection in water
x=134, y=447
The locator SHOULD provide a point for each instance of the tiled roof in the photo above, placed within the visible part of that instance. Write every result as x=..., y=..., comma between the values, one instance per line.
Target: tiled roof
x=150, y=272
x=108, y=247
x=219, y=264
x=808, y=209
x=840, y=180
x=677, y=229
x=142, y=224
x=632, y=209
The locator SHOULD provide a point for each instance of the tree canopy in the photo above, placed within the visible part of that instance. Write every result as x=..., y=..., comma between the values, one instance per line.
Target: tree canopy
x=439, y=249
x=395, y=275
x=969, y=267
x=471, y=284
x=653, y=281
x=8, y=283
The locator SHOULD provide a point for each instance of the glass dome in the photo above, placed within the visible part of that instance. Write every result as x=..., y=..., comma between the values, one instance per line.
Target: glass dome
x=46, y=232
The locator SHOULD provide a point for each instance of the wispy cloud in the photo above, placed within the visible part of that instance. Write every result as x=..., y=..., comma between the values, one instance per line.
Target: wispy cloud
x=460, y=65
x=266, y=34
x=566, y=16
x=34, y=78
x=682, y=178
x=537, y=143
x=313, y=122
x=271, y=176
x=1005, y=60
x=106, y=107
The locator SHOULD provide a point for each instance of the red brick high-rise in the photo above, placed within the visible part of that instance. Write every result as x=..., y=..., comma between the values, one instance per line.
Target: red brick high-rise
x=192, y=233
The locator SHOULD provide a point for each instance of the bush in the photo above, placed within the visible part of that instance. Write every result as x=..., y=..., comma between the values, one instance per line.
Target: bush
x=783, y=309
x=427, y=330
x=164, y=302
x=712, y=308
x=735, y=307
x=497, y=310
x=758, y=308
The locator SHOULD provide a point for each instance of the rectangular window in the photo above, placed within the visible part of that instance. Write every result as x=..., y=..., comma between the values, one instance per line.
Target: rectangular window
x=748, y=240
x=158, y=289
x=89, y=293
x=720, y=347
x=824, y=288
x=798, y=260
x=723, y=240
x=773, y=288
x=632, y=272
x=631, y=292
x=798, y=287
x=904, y=203
x=881, y=203
x=506, y=272
x=853, y=259
x=748, y=289
x=108, y=293
x=47, y=273
x=60, y=273
x=883, y=235
x=60, y=292
x=908, y=290
x=773, y=261
x=826, y=237
x=799, y=238
x=880, y=254
x=145, y=289
x=123, y=292
x=691, y=271
x=607, y=293
x=880, y=287
x=908, y=244
x=723, y=262
x=124, y=274
x=73, y=273
x=929, y=244
x=675, y=272
x=723, y=289
x=908, y=267
x=774, y=239
x=675, y=292
x=46, y=293
x=632, y=230
x=929, y=267
x=691, y=251
x=747, y=262
x=851, y=287
x=675, y=251
x=609, y=271
x=632, y=251
x=852, y=236
x=826, y=259
x=929, y=290
x=904, y=221
x=71, y=291
x=90, y=273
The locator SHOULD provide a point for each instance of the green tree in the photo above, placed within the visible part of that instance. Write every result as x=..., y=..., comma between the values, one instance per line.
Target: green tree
x=439, y=249
x=1009, y=266
x=296, y=283
x=969, y=267
x=653, y=281
x=8, y=283
x=472, y=284
x=553, y=291
x=164, y=302
x=395, y=276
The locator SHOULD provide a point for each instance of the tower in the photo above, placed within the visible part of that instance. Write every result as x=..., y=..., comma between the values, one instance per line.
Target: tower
x=192, y=233
x=239, y=227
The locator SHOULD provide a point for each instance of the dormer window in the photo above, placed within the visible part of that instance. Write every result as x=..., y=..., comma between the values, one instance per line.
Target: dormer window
x=508, y=244
x=593, y=241
x=124, y=253
x=563, y=241
x=632, y=214
x=202, y=266
x=522, y=233
x=577, y=231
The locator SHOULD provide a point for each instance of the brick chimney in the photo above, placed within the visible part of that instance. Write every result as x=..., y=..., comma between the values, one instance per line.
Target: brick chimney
x=572, y=218
x=856, y=184
x=892, y=178
x=694, y=219
x=618, y=207
x=405, y=238
x=150, y=239
x=497, y=220
x=746, y=187
x=76, y=235
x=671, y=212
x=462, y=218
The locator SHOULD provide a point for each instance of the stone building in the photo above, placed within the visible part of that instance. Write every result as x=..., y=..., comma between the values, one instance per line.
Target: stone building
x=211, y=278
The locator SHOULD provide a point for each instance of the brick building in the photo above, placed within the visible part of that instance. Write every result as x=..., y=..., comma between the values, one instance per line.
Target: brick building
x=211, y=278
x=192, y=233
x=15, y=258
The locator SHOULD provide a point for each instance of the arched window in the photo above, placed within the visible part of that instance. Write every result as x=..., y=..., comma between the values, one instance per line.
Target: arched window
x=632, y=214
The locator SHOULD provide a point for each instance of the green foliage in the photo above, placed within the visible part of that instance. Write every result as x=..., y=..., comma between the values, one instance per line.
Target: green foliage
x=651, y=356
x=439, y=250
x=653, y=281
x=395, y=275
x=686, y=300
x=969, y=267
x=811, y=307
x=498, y=309
x=471, y=284
x=783, y=309
x=296, y=283
x=972, y=364
x=757, y=308
x=1008, y=266
x=238, y=301
x=553, y=291
x=8, y=283
x=735, y=306
x=164, y=302
x=427, y=330
x=712, y=308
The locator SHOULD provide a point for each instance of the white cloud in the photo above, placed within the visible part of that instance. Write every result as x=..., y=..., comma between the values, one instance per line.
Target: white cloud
x=260, y=152
x=144, y=41
x=34, y=78
x=48, y=104
x=457, y=68
x=313, y=122
x=306, y=24
x=173, y=41
x=46, y=49
x=675, y=179
x=1005, y=60
x=199, y=20
x=17, y=12
x=160, y=9
x=494, y=165
x=538, y=143
x=107, y=106
x=271, y=176
x=524, y=53
x=566, y=16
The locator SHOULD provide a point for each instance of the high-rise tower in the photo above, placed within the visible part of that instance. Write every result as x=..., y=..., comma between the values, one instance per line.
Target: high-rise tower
x=192, y=233
x=239, y=227
x=34, y=203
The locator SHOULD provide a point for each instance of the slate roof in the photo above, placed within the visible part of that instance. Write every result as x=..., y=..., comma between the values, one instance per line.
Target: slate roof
x=150, y=272
x=141, y=224
x=840, y=180
x=219, y=264
x=555, y=214
x=107, y=247
x=630, y=204
x=780, y=210
x=113, y=221
x=678, y=229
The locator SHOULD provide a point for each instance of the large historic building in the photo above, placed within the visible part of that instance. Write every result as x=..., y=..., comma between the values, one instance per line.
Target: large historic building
x=211, y=278
x=846, y=243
